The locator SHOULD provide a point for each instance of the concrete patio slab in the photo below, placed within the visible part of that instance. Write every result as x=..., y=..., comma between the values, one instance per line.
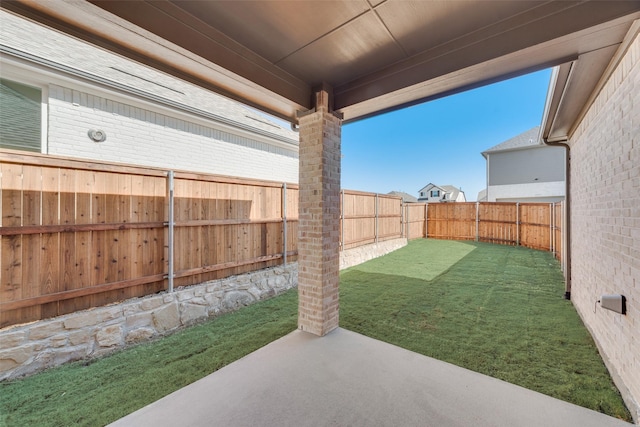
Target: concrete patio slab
x=347, y=379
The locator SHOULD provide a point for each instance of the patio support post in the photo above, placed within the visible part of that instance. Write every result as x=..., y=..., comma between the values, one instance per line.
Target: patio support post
x=319, y=216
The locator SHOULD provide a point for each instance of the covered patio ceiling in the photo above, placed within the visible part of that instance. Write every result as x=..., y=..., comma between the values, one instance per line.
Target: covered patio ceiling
x=377, y=55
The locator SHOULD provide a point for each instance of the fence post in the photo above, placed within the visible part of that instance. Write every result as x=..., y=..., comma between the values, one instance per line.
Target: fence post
x=477, y=221
x=401, y=217
x=170, y=225
x=517, y=223
x=342, y=220
x=426, y=224
x=376, y=225
x=551, y=227
x=284, y=222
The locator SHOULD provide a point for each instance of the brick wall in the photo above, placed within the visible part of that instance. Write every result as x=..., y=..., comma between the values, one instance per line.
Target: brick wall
x=143, y=137
x=605, y=200
x=319, y=226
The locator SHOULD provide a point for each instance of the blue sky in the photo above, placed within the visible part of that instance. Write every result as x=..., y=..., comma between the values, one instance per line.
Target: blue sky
x=440, y=141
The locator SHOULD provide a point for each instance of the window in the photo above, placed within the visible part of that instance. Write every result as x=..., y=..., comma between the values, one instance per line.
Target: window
x=435, y=193
x=20, y=116
x=422, y=194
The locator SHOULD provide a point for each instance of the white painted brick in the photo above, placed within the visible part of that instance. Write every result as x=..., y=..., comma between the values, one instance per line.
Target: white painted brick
x=606, y=221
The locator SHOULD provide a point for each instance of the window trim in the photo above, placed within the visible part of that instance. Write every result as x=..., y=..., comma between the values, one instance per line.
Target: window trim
x=28, y=78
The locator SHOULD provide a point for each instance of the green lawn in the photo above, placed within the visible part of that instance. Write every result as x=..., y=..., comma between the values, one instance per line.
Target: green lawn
x=493, y=309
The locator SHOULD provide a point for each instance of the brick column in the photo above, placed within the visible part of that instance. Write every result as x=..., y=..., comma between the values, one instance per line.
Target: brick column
x=319, y=219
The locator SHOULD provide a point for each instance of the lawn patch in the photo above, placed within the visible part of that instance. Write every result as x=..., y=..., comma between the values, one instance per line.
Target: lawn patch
x=498, y=311
x=493, y=309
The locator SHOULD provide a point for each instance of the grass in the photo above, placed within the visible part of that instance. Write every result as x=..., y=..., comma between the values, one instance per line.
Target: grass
x=493, y=309
x=102, y=391
x=496, y=309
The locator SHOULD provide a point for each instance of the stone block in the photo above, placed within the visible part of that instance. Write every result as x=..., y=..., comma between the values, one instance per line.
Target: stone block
x=214, y=286
x=106, y=314
x=152, y=303
x=58, y=341
x=44, y=330
x=166, y=318
x=167, y=298
x=80, y=337
x=139, y=320
x=199, y=301
x=129, y=309
x=139, y=335
x=185, y=295
x=109, y=336
x=12, y=339
x=82, y=319
x=191, y=313
x=212, y=300
x=69, y=354
x=17, y=355
x=256, y=292
x=233, y=300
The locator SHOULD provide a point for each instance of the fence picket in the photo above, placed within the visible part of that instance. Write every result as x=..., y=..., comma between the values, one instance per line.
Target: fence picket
x=78, y=234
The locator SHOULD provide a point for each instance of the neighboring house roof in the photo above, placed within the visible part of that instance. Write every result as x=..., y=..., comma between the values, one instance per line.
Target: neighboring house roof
x=525, y=139
x=87, y=62
x=429, y=186
x=451, y=192
x=406, y=197
x=482, y=195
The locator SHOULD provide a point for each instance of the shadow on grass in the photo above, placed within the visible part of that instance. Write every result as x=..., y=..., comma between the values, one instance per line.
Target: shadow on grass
x=420, y=259
x=493, y=309
x=497, y=310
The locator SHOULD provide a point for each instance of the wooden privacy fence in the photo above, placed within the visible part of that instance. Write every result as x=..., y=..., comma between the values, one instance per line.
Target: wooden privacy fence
x=369, y=218
x=79, y=234
x=534, y=225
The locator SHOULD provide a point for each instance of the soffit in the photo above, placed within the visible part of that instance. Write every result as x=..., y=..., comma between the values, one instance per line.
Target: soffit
x=377, y=55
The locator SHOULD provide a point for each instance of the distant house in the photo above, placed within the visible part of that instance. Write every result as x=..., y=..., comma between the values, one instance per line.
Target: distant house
x=406, y=197
x=62, y=96
x=523, y=169
x=432, y=193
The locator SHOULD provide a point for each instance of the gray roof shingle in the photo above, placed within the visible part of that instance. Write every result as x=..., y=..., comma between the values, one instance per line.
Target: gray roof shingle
x=525, y=139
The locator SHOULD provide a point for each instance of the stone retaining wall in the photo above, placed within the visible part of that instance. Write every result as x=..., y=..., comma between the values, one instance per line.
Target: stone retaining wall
x=29, y=348
x=355, y=256
x=33, y=347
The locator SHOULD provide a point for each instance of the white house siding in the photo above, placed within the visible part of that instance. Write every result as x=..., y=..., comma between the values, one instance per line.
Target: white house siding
x=605, y=228
x=539, y=192
x=150, y=118
x=143, y=137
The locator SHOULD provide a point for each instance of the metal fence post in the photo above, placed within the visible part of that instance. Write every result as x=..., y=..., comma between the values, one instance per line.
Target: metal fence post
x=477, y=221
x=401, y=217
x=551, y=227
x=170, y=224
x=376, y=225
x=342, y=220
x=426, y=223
x=517, y=223
x=284, y=223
